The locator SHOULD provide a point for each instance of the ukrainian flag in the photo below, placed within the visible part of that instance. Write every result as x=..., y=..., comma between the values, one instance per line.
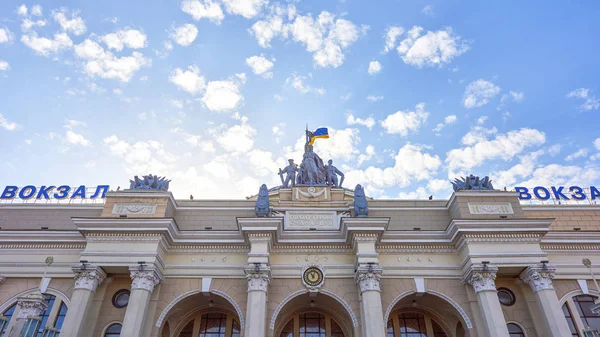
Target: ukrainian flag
x=319, y=133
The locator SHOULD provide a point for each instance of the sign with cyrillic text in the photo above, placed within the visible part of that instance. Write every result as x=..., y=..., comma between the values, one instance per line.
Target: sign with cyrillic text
x=53, y=192
x=558, y=193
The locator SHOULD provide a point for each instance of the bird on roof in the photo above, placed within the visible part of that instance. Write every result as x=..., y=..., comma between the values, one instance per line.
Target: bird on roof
x=431, y=197
x=191, y=197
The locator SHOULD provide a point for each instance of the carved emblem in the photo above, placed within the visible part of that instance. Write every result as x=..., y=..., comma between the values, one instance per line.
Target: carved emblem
x=313, y=277
x=504, y=208
x=311, y=192
x=134, y=208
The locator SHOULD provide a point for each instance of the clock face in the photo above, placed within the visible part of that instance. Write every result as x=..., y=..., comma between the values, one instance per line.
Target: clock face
x=313, y=276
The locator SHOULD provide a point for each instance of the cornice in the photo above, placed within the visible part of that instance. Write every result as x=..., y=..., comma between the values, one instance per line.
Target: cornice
x=312, y=248
x=407, y=248
x=37, y=246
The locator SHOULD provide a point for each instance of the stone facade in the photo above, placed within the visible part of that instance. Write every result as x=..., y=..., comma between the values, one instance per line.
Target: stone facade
x=176, y=260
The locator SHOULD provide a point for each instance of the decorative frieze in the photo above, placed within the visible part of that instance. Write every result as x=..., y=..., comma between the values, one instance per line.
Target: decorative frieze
x=144, y=277
x=319, y=220
x=31, y=305
x=88, y=277
x=481, y=278
x=539, y=277
x=259, y=277
x=134, y=208
x=368, y=277
x=491, y=209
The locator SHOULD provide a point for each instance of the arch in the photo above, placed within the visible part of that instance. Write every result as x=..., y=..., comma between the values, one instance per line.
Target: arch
x=577, y=292
x=519, y=325
x=325, y=311
x=108, y=325
x=179, y=298
x=189, y=317
x=304, y=291
x=51, y=291
x=457, y=307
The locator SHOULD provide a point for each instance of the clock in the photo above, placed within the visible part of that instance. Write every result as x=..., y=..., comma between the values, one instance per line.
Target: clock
x=313, y=277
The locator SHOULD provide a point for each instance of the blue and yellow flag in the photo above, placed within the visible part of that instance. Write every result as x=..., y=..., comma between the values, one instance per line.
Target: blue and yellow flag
x=319, y=133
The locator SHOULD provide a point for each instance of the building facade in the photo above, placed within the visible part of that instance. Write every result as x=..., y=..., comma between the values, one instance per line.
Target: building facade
x=304, y=262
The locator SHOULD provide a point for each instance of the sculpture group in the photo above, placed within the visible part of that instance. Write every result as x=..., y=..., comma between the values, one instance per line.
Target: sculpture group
x=149, y=182
x=312, y=171
x=472, y=183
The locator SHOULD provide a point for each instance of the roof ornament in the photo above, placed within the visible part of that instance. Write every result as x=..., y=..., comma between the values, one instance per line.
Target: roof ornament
x=361, y=206
x=262, y=208
x=149, y=182
x=472, y=183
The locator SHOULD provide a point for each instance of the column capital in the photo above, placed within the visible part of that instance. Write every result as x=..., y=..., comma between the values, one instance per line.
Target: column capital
x=481, y=277
x=539, y=277
x=88, y=276
x=31, y=305
x=145, y=277
x=368, y=277
x=258, y=276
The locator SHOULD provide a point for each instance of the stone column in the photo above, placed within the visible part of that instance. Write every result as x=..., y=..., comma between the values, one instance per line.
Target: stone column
x=482, y=279
x=259, y=278
x=539, y=278
x=87, y=279
x=368, y=277
x=29, y=306
x=144, y=279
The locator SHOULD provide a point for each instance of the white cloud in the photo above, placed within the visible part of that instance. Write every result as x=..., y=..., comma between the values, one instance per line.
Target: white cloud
x=524, y=168
x=374, y=98
x=142, y=156
x=479, y=93
x=236, y=139
x=4, y=66
x=73, y=138
x=6, y=35
x=142, y=116
x=260, y=65
x=597, y=143
x=278, y=97
x=517, y=96
x=265, y=30
x=448, y=120
x=222, y=96
x=369, y=153
x=368, y=122
x=427, y=10
x=297, y=82
x=245, y=8
x=554, y=149
x=185, y=34
x=22, y=10
x=431, y=49
x=391, y=36
x=411, y=164
x=578, y=154
x=74, y=25
x=560, y=175
x=131, y=38
x=278, y=131
x=102, y=63
x=45, y=46
x=479, y=148
x=374, y=67
x=36, y=10
x=590, y=103
x=72, y=123
x=6, y=125
x=177, y=103
x=188, y=80
x=402, y=122
x=27, y=24
x=203, y=9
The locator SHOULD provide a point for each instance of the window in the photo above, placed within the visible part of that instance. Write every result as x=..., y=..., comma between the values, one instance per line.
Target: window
x=515, y=330
x=212, y=324
x=569, y=319
x=414, y=324
x=44, y=316
x=236, y=329
x=6, y=316
x=114, y=330
x=312, y=324
x=583, y=303
x=506, y=297
x=60, y=318
x=188, y=331
x=121, y=298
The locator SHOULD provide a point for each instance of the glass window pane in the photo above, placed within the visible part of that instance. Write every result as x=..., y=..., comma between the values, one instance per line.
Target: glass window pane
x=288, y=330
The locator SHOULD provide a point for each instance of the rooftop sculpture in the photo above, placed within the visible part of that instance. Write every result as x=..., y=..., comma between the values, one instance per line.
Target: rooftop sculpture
x=472, y=183
x=262, y=208
x=312, y=171
x=149, y=182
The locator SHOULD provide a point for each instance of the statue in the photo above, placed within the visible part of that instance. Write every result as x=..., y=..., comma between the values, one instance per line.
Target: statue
x=361, y=207
x=472, y=183
x=290, y=172
x=332, y=173
x=149, y=182
x=262, y=208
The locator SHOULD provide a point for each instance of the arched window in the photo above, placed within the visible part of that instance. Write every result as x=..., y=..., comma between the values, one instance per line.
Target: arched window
x=515, y=330
x=213, y=324
x=39, y=326
x=580, y=306
x=414, y=324
x=114, y=330
x=5, y=319
x=312, y=324
x=44, y=315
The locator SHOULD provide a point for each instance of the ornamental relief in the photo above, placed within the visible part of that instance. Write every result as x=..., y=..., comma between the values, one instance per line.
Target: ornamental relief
x=134, y=208
x=491, y=209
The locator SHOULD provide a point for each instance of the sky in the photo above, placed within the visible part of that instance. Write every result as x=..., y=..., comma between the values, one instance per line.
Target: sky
x=216, y=94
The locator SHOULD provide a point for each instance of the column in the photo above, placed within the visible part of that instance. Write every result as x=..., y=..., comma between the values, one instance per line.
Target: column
x=368, y=277
x=539, y=278
x=482, y=279
x=87, y=279
x=143, y=280
x=30, y=307
x=259, y=278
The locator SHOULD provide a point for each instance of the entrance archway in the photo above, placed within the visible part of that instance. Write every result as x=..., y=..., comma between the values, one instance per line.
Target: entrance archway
x=201, y=314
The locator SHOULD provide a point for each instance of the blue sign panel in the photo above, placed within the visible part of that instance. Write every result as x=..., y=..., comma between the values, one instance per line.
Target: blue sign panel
x=46, y=192
x=557, y=193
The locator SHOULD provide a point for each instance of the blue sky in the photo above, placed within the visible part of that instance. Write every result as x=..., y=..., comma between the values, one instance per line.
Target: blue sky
x=216, y=94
